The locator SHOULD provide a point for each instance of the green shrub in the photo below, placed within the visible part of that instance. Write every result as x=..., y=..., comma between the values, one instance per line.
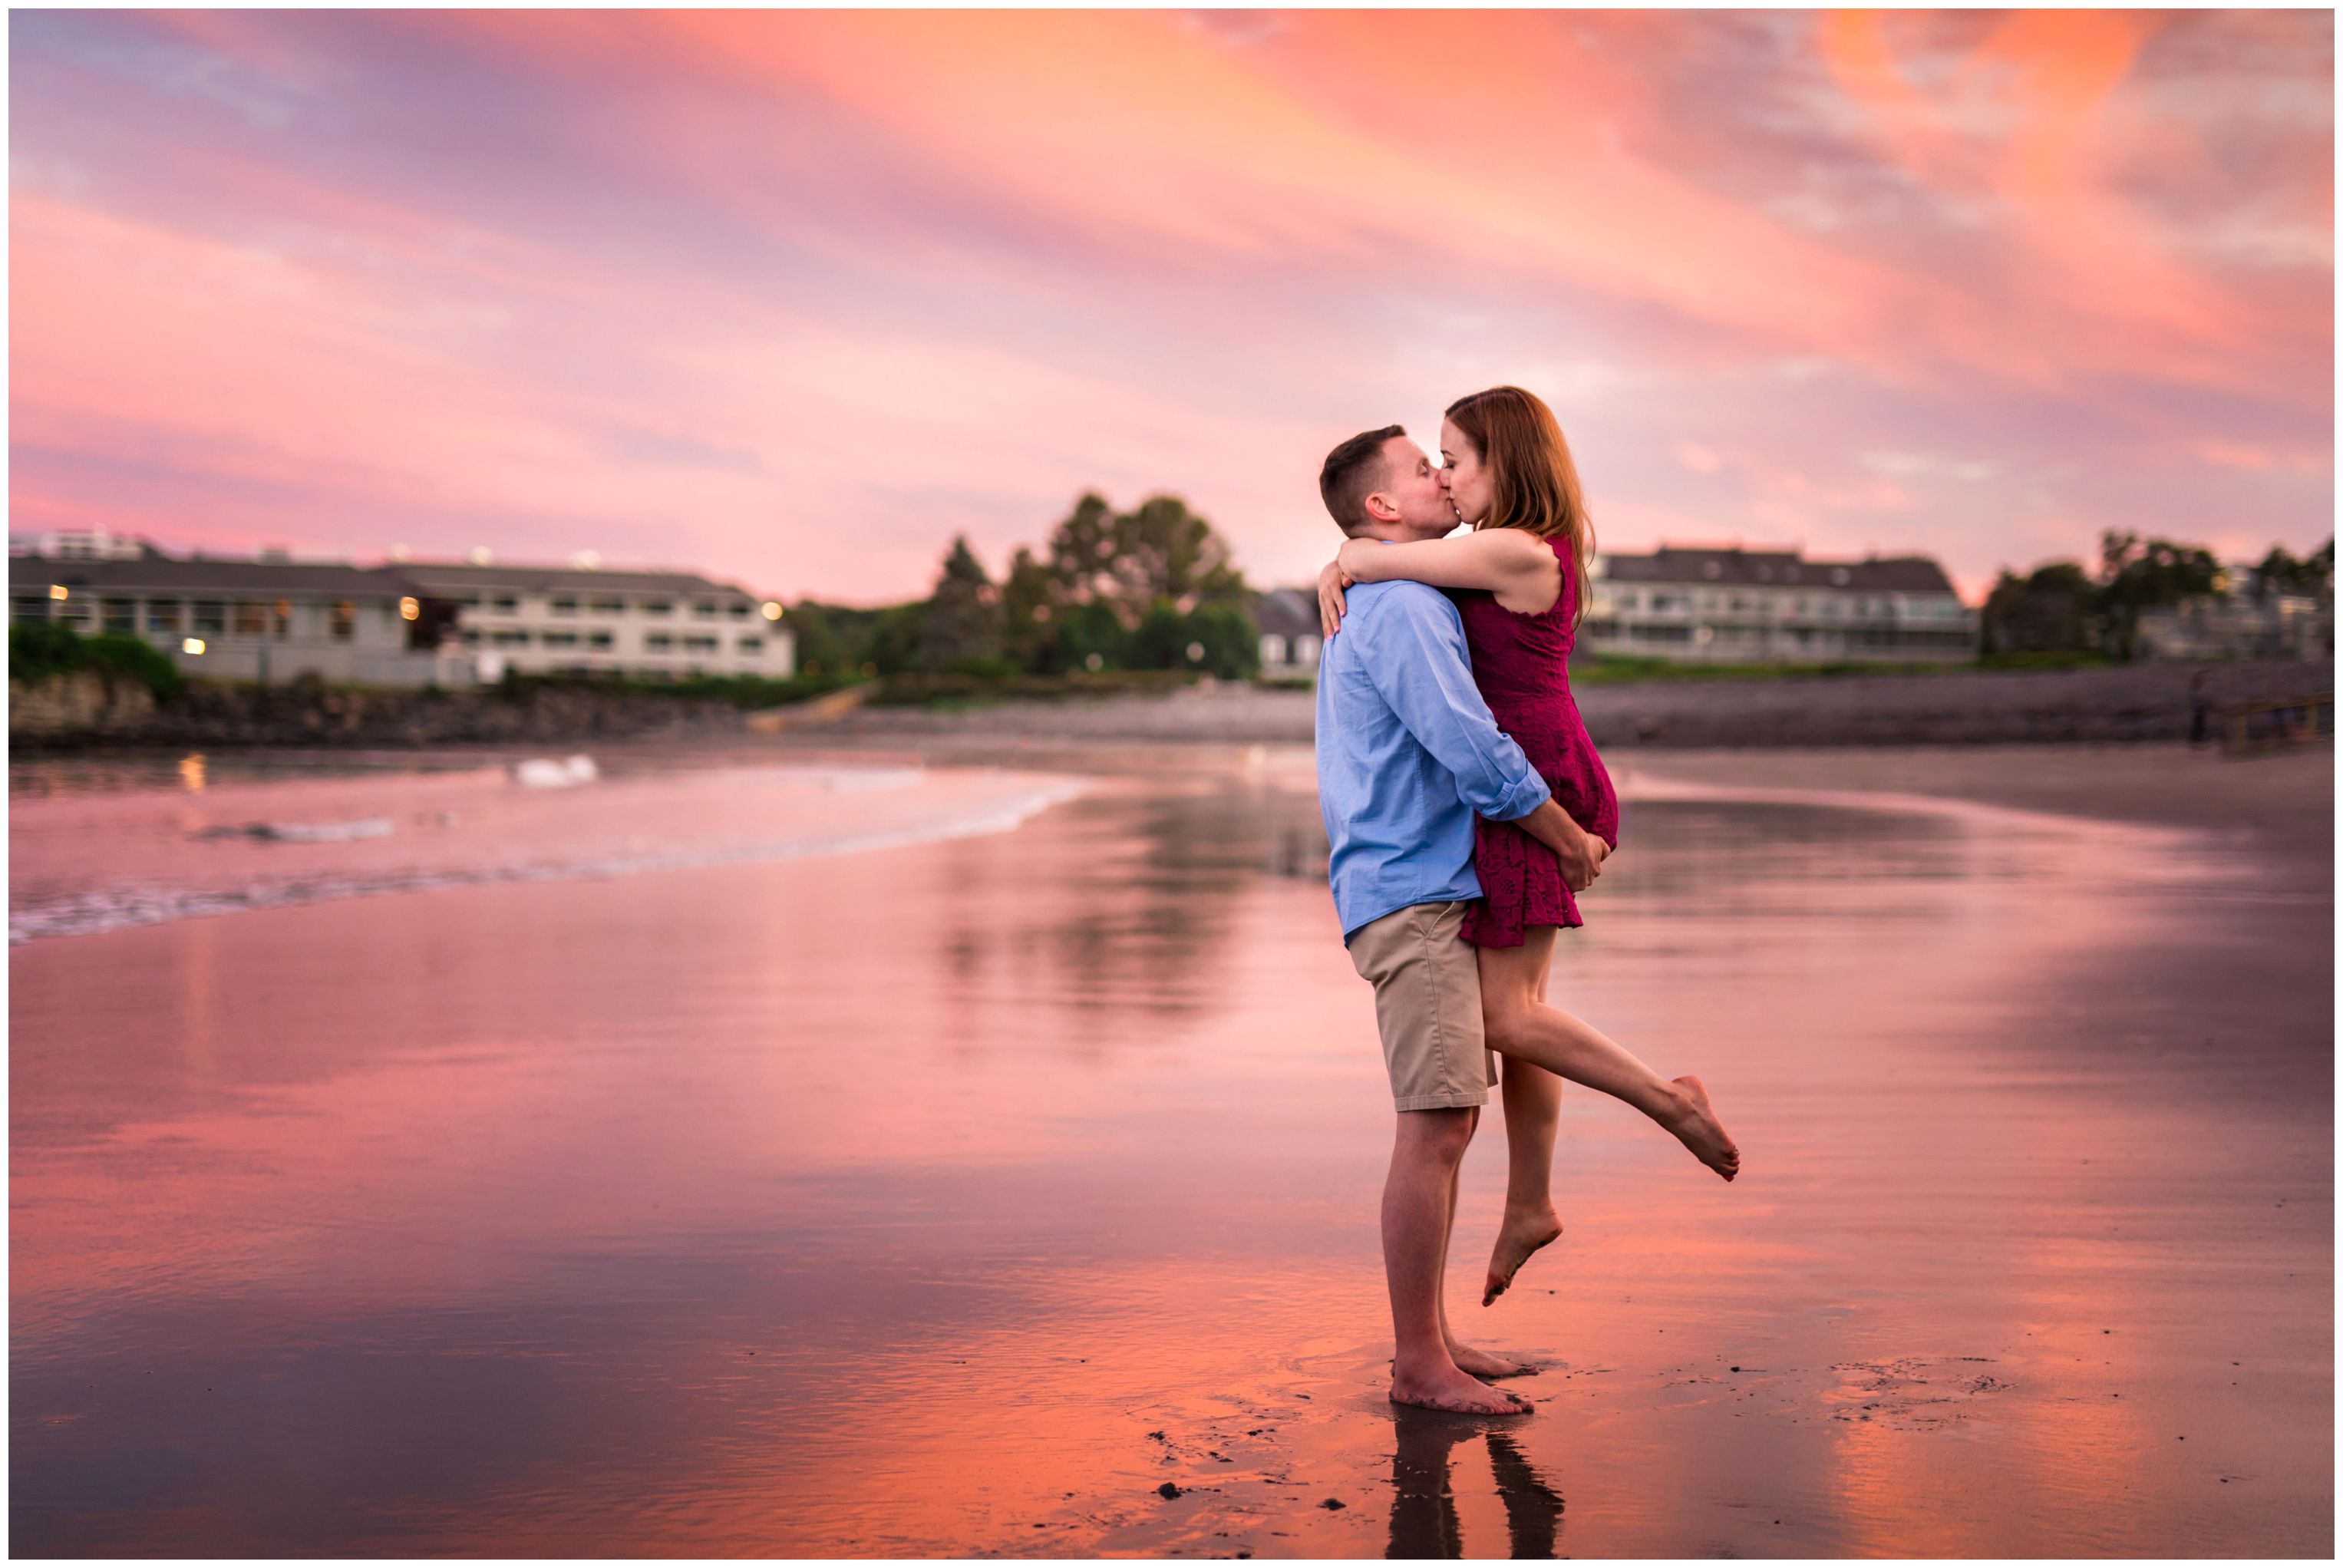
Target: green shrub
x=46, y=649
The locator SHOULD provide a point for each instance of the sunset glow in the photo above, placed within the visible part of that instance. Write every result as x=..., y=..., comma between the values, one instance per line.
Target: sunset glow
x=792, y=298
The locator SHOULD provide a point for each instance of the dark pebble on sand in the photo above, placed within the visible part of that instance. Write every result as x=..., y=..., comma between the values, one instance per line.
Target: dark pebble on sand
x=1167, y=1490
x=1332, y=1502
x=1736, y=1369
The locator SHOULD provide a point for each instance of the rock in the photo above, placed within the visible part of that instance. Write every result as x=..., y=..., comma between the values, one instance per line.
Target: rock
x=1167, y=1490
x=1333, y=1504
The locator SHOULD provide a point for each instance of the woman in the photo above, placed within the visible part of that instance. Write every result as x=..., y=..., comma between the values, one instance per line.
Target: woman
x=1517, y=579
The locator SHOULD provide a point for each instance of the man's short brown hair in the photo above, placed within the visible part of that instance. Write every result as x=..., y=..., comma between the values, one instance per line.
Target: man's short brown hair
x=1353, y=471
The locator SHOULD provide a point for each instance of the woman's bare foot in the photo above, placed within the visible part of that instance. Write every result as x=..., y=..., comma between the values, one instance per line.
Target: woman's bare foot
x=1448, y=1388
x=1519, y=1235
x=1481, y=1363
x=1701, y=1132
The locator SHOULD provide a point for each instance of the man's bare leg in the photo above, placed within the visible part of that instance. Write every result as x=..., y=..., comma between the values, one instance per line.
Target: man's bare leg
x=1426, y=1153
x=1520, y=1025
x=1478, y=1363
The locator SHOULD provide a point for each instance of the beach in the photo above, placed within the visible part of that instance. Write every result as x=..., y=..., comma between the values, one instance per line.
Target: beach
x=968, y=1143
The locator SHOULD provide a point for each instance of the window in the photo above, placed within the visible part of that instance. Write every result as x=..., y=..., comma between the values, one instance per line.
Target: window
x=251, y=617
x=342, y=619
x=211, y=618
x=605, y=606
x=1272, y=648
x=706, y=609
x=120, y=615
x=282, y=627
x=509, y=637
x=659, y=642
x=24, y=609
x=700, y=645
x=740, y=610
x=752, y=646
x=658, y=607
x=565, y=605
x=598, y=640
x=505, y=603
x=561, y=639
x=469, y=638
x=163, y=615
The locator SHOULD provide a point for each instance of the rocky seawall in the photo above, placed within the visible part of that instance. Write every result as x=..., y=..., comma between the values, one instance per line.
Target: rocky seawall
x=2147, y=702
x=88, y=707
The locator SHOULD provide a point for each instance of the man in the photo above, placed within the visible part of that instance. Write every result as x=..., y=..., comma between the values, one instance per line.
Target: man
x=1407, y=752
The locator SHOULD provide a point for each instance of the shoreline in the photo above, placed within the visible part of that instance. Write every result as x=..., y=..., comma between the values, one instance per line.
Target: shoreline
x=2124, y=704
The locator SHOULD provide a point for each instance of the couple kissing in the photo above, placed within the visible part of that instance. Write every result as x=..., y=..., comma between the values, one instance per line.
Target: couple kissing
x=1465, y=810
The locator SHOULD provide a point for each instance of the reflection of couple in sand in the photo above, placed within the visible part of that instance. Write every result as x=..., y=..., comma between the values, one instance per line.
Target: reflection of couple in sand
x=1464, y=807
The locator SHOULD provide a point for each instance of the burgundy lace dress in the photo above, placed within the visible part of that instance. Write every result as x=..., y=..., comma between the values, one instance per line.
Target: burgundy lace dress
x=1521, y=665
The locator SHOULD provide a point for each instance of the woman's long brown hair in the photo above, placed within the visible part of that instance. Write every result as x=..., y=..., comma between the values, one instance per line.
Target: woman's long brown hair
x=1533, y=481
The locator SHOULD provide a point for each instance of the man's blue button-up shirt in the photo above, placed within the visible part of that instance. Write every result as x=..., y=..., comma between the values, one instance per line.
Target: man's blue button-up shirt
x=1407, y=752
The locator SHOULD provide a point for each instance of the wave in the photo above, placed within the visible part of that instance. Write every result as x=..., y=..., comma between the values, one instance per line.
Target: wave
x=91, y=911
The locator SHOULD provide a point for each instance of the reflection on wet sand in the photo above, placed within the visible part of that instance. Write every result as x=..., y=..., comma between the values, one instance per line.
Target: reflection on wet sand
x=954, y=1199
x=1423, y=1522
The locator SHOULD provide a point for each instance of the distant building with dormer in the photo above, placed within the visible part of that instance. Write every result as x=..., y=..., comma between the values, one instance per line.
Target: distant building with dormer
x=270, y=617
x=654, y=625
x=1287, y=619
x=1736, y=606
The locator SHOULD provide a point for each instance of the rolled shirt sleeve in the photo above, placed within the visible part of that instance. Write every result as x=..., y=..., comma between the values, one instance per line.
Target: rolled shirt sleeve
x=1423, y=668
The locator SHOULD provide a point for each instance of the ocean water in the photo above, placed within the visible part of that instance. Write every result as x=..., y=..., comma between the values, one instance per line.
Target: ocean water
x=137, y=846
x=728, y=1158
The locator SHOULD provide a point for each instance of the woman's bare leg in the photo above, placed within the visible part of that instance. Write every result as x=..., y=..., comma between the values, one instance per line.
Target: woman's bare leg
x=1522, y=1026
x=1532, y=1100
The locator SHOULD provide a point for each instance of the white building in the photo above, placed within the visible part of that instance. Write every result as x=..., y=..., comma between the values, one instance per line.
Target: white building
x=646, y=625
x=1287, y=619
x=1750, y=607
x=241, y=620
x=269, y=617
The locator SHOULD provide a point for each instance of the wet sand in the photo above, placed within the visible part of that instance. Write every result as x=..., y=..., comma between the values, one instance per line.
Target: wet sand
x=957, y=1197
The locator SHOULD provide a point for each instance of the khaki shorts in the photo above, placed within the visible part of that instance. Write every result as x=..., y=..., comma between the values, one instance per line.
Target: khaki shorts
x=1427, y=980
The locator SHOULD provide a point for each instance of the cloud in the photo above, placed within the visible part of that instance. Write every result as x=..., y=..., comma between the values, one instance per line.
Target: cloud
x=808, y=293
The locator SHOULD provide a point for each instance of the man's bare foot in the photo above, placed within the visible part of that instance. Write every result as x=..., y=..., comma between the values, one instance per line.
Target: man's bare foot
x=1701, y=1132
x=1481, y=1363
x=1521, y=1235
x=1447, y=1388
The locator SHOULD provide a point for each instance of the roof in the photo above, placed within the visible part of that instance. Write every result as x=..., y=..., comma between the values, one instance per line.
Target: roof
x=204, y=574
x=1773, y=568
x=1286, y=612
x=463, y=577
x=240, y=574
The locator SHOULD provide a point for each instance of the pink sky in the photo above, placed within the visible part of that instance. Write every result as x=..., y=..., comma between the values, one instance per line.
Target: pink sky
x=793, y=298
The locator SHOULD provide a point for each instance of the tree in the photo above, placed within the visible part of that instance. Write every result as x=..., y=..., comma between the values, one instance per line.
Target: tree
x=2136, y=575
x=962, y=625
x=2280, y=573
x=1030, y=613
x=2052, y=610
x=1087, y=632
x=1131, y=560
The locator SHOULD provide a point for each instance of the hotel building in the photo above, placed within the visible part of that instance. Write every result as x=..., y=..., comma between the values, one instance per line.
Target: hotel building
x=269, y=617
x=1750, y=607
x=647, y=625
